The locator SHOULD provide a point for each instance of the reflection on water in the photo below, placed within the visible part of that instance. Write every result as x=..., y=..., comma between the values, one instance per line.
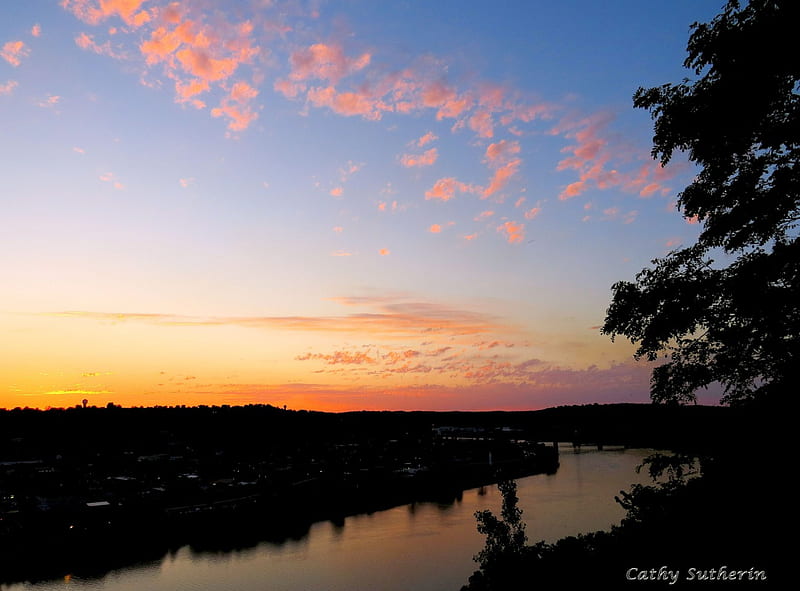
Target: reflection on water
x=422, y=546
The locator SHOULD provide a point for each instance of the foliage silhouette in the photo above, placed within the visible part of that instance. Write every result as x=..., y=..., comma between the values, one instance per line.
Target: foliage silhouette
x=723, y=310
x=501, y=558
x=735, y=322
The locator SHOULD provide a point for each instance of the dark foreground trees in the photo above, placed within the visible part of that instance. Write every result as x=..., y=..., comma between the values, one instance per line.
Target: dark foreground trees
x=727, y=309
x=724, y=310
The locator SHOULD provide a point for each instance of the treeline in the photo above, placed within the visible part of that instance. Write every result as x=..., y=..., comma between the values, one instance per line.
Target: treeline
x=28, y=434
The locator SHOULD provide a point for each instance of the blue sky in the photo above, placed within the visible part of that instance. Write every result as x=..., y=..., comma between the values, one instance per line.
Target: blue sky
x=329, y=205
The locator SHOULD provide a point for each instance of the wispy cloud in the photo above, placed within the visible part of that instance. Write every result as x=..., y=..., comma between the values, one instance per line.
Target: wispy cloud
x=110, y=177
x=8, y=87
x=386, y=316
x=445, y=189
x=515, y=233
x=14, y=51
x=87, y=42
x=96, y=11
x=427, y=158
x=426, y=139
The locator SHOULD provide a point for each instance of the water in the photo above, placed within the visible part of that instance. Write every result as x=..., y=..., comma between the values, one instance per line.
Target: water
x=424, y=546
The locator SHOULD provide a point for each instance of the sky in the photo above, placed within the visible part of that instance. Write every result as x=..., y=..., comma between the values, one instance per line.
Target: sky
x=330, y=205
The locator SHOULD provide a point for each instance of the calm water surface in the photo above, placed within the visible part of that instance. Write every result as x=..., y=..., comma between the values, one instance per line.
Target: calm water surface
x=425, y=546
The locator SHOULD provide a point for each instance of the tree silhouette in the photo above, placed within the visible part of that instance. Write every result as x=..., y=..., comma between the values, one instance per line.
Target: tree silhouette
x=501, y=557
x=725, y=309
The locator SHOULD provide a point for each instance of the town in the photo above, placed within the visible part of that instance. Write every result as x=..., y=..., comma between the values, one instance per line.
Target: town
x=80, y=483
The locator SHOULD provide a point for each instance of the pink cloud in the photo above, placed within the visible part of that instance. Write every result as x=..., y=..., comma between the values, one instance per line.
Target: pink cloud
x=515, y=233
x=200, y=57
x=693, y=220
x=573, y=190
x=236, y=107
x=338, y=229
x=426, y=139
x=109, y=177
x=446, y=188
x=36, y=30
x=435, y=229
x=470, y=237
x=341, y=253
x=95, y=11
x=384, y=252
x=532, y=213
x=611, y=212
x=337, y=191
x=50, y=102
x=339, y=357
x=483, y=215
x=325, y=62
x=519, y=202
x=501, y=177
x=87, y=42
x=501, y=152
x=482, y=123
x=347, y=103
x=426, y=159
x=14, y=51
x=8, y=87
x=648, y=190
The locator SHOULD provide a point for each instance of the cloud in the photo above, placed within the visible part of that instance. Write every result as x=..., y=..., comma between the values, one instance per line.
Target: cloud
x=36, y=30
x=445, y=189
x=339, y=357
x=109, y=177
x=236, y=107
x=88, y=43
x=426, y=159
x=501, y=152
x=384, y=252
x=501, y=178
x=341, y=253
x=387, y=316
x=483, y=215
x=94, y=12
x=515, y=233
x=598, y=158
x=186, y=182
x=347, y=103
x=482, y=123
x=50, y=102
x=572, y=190
x=532, y=213
x=337, y=191
x=8, y=87
x=438, y=228
x=426, y=139
x=14, y=51
x=199, y=58
x=325, y=62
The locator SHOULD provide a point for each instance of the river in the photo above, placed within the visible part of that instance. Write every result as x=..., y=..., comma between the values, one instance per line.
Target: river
x=423, y=546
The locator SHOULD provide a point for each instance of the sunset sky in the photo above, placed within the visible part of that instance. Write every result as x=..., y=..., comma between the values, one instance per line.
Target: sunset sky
x=329, y=205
